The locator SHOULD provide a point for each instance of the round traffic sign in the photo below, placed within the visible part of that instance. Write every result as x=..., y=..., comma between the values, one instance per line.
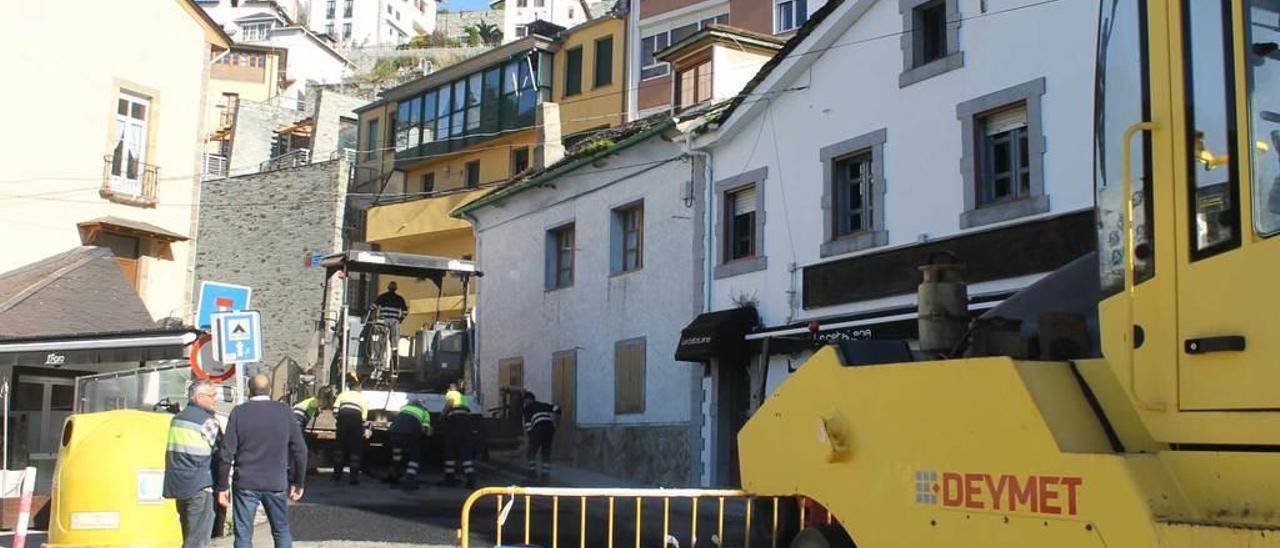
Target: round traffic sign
x=203, y=363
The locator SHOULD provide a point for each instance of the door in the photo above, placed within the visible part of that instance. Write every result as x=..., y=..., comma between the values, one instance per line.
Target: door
x=129, y=155
x=1228, y=206
x=40, y=406
x=564, y=392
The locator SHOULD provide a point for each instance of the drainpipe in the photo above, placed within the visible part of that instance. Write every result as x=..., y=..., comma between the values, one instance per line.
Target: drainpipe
x=708, y=253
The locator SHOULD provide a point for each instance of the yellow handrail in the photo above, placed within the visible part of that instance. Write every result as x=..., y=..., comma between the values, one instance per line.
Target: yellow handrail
x=1126, y=166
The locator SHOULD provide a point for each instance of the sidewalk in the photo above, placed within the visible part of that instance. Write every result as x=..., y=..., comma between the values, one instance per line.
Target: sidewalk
x=513, y=463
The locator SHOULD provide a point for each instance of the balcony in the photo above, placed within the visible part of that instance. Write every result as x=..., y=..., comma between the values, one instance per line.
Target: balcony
x=293, y=158
x=420, y=224
x=128, y=181
x=215, y=166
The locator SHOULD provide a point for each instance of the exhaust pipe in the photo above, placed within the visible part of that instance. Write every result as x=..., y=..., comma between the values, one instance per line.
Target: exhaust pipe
x=943, y=301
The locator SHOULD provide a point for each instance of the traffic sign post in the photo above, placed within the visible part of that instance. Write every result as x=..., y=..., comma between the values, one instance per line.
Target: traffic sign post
x=220, y=297
x=237, y=336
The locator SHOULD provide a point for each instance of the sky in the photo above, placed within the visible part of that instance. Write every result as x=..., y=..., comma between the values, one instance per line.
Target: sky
x=465, y=5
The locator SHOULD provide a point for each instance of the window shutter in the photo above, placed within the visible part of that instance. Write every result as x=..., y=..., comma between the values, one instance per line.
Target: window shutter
x=744, y=201
x=1005, y=120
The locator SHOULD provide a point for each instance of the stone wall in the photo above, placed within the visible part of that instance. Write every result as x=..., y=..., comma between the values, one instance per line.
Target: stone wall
x=257, y=230
x=454, y=24
x=650, y=455
x=256, y=124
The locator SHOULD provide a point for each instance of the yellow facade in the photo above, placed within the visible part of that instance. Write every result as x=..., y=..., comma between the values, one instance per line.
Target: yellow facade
x=243, y=73
x=596, y=106
x=68, y=106
x=418, y=220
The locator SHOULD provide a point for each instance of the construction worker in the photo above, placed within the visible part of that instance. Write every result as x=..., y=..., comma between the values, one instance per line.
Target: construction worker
x=407, y=432
x=539, y=427
x=459, y=442
x=306, y=410
x=351, y=415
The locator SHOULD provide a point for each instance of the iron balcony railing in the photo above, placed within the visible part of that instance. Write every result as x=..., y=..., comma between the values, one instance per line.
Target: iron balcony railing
x=293, y=158
x=348, y=154
x=215, y=166
x=126, y=179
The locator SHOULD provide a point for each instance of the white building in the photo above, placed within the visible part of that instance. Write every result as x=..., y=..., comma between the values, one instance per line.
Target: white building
x=310, y=58
x=517, y=14
x=855, y=158
x=595, y=330
x=371, y=23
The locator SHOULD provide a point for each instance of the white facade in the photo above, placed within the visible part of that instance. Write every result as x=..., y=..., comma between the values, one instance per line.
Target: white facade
x=371, y=23
x=520, y=317
x=566, y=13
x=845, y=82
x=310, y=58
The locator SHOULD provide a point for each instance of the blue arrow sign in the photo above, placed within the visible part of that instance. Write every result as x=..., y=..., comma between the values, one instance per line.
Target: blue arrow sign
x=220, y=297
x=237, y=336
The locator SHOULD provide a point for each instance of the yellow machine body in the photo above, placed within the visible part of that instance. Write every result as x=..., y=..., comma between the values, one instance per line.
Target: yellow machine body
x=108, y=482
x=1172, y=437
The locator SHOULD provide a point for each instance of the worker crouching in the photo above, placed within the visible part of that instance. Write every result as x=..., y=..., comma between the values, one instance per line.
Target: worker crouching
x=540, y=428
x=407, y=432
x=351, y=416
x=460, y=439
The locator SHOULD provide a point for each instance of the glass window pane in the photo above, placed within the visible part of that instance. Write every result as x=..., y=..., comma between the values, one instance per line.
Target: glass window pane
x=474, y=88
x=1264, y=112
x=1213, y=175
x=429, y=106
x=442, y=107
x=459, y=95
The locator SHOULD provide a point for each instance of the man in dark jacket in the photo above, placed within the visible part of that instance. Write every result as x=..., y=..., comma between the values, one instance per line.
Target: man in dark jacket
x=194, y=435
x=540, y=428
x=264, y=446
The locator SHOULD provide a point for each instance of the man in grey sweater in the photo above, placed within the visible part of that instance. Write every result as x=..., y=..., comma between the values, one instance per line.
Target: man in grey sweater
x=264, y=446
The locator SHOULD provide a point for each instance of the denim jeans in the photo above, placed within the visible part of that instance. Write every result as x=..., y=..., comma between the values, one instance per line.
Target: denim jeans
x=276, y=505
x=195, y=513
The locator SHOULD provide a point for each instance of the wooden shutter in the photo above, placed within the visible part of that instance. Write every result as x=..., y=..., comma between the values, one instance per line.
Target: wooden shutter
x=511, y=373
x=629, y=377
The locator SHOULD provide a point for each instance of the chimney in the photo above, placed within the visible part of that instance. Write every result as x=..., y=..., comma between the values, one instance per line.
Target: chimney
x=549, y=149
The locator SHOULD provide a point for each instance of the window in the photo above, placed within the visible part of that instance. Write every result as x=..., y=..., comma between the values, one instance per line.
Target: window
x=539, y=3
x=1263, y=76
x=328, y=29
x=408, y=124
x=346, y=8
x=372, y=139
x=722, y=19
x=522, y=31
x=522, y=3
x=604, y=62
x=560, y=242
x=571, y=12
x=628, y=238
x=790, y=14
x=628, y=376
x=129, y=155
x=255, y=31
x=346, y=31
x=931, y=39
x=741, y=227
x=740, y=215
x=473, y=174
x=1004, y=173
x=694, y=86
x=1214, y=196
x=650, y=66
x=519, y=161
x=329, y=8
x=573, y=72
x=1002, y=160
x=853, y=198
x=682, y=32
x=389, y=10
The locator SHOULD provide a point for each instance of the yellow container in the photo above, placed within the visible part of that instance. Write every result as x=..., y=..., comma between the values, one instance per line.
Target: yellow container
x=108, y=482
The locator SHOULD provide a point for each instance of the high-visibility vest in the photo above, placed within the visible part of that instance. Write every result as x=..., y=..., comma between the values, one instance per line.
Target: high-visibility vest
x=456, y=402
x=351, y=400
x=422, y=415
x=193, y=436
x=305, y=409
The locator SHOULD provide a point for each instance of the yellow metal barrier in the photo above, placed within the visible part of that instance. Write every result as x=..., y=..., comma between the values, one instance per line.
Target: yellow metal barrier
x=505, y=499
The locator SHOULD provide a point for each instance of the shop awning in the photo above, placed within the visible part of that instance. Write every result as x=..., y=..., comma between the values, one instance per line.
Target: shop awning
x=716, y=334
x=127, y=227
x=94, y=348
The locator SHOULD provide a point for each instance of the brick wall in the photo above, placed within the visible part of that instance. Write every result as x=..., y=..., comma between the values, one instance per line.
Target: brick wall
x=257, y=230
